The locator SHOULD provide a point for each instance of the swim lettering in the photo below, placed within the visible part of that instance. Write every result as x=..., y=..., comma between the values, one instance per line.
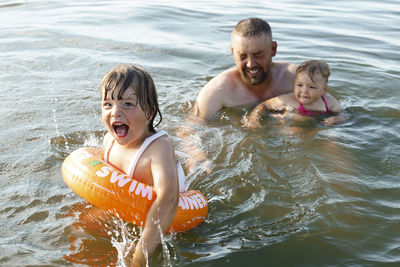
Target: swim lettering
x=195, y=201
x=122, y=179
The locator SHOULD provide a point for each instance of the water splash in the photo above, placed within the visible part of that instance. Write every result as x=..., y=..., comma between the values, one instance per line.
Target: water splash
x=123, y=240
x=92, y=140
x=58, y=131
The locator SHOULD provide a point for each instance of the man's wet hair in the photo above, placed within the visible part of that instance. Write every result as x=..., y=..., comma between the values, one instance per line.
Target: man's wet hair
x=252, y=27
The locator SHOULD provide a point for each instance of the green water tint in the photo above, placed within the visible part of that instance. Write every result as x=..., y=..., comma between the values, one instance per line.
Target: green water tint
x=287, y=194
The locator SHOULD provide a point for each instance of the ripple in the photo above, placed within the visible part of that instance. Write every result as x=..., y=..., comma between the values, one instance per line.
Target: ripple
x=295, y=194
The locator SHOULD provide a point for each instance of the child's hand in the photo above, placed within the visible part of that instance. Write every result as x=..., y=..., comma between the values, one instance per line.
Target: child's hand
x=334, y=120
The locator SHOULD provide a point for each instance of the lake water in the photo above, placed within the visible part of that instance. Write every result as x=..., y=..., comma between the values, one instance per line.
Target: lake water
x=284, y=195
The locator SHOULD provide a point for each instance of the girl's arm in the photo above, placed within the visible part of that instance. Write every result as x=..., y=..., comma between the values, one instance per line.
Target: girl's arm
x=163, y=209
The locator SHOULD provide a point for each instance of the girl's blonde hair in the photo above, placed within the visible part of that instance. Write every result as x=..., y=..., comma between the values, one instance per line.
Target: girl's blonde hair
x=314, y=66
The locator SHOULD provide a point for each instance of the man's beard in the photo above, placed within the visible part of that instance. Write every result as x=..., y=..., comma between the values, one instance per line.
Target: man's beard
x=253, y=81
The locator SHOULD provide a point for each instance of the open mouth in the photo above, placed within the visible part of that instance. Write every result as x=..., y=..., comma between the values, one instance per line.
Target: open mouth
x=120, y=129
x=253, y=72
x=254, y=75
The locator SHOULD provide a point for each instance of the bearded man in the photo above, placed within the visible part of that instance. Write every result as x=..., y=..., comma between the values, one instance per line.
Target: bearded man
x=255, y=77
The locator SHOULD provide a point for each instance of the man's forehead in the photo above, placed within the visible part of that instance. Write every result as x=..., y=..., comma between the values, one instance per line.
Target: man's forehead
x=258, y=42
x=261, y=36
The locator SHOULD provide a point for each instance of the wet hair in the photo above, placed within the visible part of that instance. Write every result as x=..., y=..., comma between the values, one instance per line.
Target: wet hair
x=252, y=27
x=122, y=77
x=313, y=67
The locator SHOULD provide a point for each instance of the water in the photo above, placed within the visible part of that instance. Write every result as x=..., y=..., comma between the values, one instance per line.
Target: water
x=284, y=195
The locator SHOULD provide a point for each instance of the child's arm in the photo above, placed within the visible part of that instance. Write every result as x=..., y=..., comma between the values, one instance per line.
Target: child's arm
x=163, y=209
x=276, y=103
x=334, y=107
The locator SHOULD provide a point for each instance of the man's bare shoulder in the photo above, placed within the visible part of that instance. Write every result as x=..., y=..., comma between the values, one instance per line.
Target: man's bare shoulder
x=285, y=65
x=219, y=87
x=217, y=93
x=284, y=75
x=223, y=82
x=285, y=68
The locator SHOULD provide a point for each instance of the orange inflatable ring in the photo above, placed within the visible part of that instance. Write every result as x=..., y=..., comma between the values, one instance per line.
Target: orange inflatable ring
x=86, y=173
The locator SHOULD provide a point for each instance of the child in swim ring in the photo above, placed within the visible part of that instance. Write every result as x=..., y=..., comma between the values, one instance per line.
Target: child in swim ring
x=310, y=96
x=132, y=145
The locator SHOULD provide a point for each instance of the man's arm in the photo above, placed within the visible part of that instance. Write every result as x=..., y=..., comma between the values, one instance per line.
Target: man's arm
x=253, y=120
x=208, y=102
x=189, y=133
x=214, y=95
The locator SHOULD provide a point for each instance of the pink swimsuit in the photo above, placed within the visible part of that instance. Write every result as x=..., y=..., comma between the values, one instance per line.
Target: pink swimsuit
x=303, y=111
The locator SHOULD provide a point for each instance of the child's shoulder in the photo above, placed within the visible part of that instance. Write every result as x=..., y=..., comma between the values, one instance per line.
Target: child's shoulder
x=332, y=103
x=163, y=139
x=161, y=151
x=161, y=145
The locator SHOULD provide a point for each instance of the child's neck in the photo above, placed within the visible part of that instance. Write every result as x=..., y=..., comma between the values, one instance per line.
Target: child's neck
x=135, y=144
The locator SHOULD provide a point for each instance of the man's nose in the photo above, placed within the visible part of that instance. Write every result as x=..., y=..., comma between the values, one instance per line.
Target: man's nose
x=251, y=62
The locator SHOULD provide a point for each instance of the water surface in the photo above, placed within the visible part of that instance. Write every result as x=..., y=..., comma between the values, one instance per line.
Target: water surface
x=287, y=194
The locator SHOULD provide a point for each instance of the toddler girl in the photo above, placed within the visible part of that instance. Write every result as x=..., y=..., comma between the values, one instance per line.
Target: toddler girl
x=310, y=96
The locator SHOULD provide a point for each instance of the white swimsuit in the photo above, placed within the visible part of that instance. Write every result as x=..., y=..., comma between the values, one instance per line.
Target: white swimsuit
x=135, y=160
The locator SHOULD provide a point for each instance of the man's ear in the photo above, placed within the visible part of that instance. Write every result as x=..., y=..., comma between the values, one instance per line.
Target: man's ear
x=326, y=88
x=274, y=48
